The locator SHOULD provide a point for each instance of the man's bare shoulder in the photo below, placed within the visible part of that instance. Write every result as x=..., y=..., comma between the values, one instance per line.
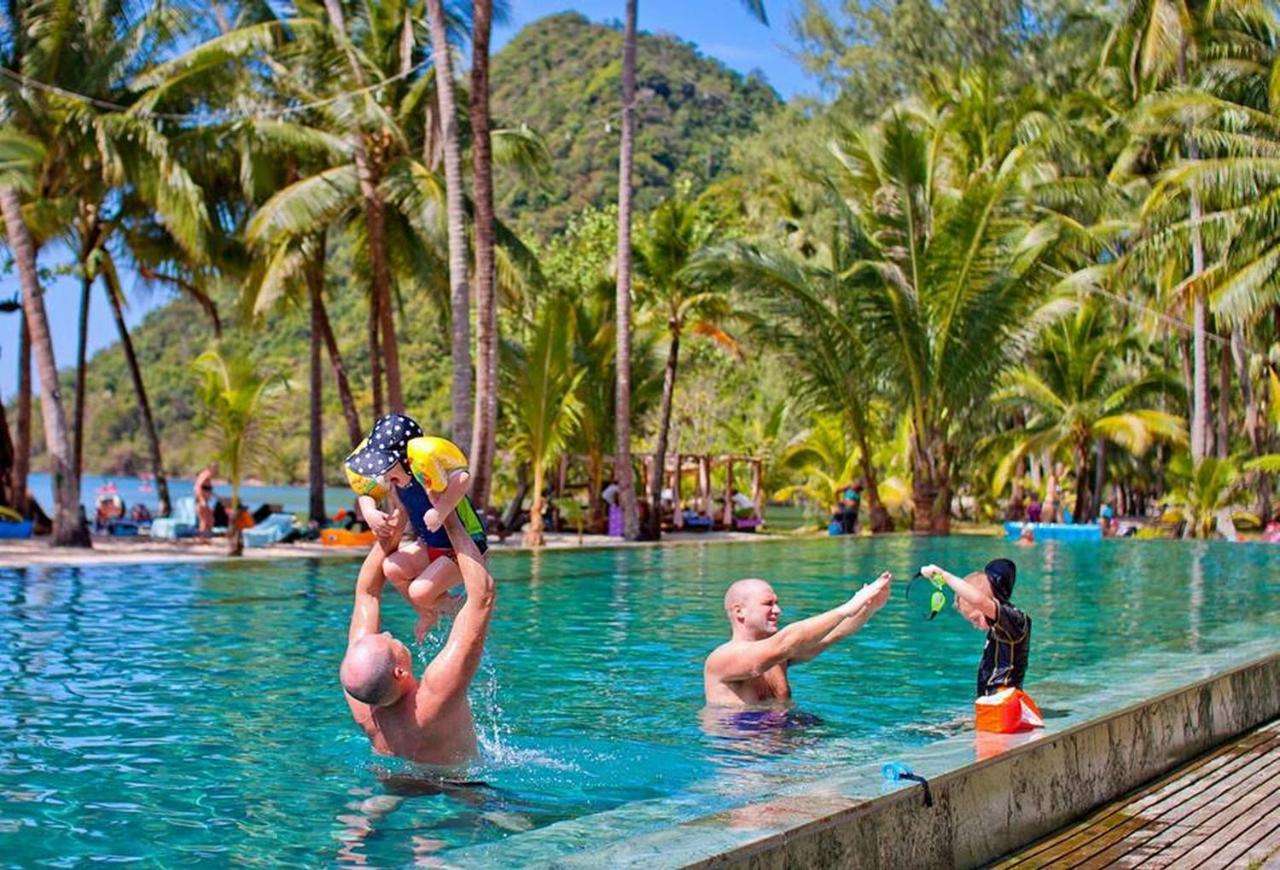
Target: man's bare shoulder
x=718, y=658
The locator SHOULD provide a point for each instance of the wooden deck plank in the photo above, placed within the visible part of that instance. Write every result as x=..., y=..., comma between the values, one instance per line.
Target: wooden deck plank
x=1154, y=833
x=1117, y=820
x=1229, y=790
x=1226, y=836
x=1144, y=819
x=1101, y=820
x=1265, y=852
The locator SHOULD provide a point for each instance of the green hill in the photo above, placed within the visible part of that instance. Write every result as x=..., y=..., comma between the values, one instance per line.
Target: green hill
x=562, y=75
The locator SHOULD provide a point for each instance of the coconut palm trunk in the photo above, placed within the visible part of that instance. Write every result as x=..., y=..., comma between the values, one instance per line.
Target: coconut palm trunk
x=114, y=295
x=376, y=221
x=459, y=289
x=375, y=358
x=89, y=239
x=623, y=471
x=383, y=348
x=1200, y=432
x=1080, y=457
x=1099, y=477
x=349, y=412
x=653, y=530
x=22, y=426
x=880, y=521
x=533, y=533
x=930, y=483
x=82, y=341
x=315, y=439
x=1224, y=400
x=6, y=461
x=483, y=439
x=68, y=530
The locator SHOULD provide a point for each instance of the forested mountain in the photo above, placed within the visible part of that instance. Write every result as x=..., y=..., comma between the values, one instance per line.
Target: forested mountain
x=561, y=76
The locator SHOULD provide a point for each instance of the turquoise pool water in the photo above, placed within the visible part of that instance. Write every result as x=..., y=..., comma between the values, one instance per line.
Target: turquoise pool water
x=191, y=713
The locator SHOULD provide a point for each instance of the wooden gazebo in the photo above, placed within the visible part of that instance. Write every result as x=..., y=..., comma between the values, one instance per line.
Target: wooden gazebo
x=676, y=467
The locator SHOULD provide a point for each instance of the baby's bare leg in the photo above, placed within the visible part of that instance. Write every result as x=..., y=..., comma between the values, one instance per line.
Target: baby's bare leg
x=429, y=594
x=404, y=566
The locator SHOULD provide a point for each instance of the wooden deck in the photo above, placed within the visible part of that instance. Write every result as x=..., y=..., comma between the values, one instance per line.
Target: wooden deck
x=1221, y=810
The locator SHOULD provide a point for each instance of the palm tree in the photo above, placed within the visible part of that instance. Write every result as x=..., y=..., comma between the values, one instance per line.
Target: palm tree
x=625, y=473
x=1086, y=387
x=594, y=353
x=623, y=470
x=948, y=260
x=455, y=216
x=812, y=315
x=17, y=157
x=486, y=408
x=826, y=456
x=540, y=400
x=676, y=297
x=294, y=271
x=236, y=400
x=1162, y=40
x=1201, y=493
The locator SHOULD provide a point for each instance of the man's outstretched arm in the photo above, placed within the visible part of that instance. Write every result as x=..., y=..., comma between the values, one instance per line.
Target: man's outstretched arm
x=366, y=613
x=451, y=671
x=879, y=594
x=742, y=661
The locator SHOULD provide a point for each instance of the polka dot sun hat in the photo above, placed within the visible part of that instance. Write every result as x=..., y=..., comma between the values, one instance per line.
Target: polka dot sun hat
x=386, y=445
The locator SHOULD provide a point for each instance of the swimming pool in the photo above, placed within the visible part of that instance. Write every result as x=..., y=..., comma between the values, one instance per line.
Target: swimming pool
x=207, y=724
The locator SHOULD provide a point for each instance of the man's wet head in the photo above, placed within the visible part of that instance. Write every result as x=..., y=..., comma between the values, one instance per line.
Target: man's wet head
x=377, y=670
x=752, y=608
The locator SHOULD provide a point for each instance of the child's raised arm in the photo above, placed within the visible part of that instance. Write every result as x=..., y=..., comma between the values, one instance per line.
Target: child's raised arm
x=446, y=501
x=983, y=601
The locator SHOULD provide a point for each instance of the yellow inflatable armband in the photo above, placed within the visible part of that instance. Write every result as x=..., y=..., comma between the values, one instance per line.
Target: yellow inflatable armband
x=432, y=460
x=360, y=484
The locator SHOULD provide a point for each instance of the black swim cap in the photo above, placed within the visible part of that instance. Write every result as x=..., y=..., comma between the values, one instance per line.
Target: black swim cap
x=1000, y=574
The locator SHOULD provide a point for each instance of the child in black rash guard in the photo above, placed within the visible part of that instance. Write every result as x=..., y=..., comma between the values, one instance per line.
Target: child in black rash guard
x=983, y=599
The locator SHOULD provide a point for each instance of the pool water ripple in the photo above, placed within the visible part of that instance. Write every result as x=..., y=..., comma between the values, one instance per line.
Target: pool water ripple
x=191, y=713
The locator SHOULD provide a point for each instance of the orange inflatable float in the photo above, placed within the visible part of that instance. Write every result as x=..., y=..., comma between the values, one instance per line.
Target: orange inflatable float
x=1007, y=711
x=346, y=538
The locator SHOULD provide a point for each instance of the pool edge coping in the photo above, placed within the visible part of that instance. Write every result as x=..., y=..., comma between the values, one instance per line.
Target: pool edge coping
x=777, y=848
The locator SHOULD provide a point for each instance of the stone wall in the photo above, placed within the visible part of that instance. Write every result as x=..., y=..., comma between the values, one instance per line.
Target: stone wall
x=992, y=807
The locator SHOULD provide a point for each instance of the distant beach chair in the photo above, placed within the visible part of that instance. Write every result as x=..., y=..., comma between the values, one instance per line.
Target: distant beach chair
x=182, y=523
x=12, y=525
x=697, y=522
x=270, y=531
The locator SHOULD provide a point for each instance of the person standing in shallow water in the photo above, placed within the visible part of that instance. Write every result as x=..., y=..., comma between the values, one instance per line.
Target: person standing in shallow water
x=427, y=720
x=751, y=667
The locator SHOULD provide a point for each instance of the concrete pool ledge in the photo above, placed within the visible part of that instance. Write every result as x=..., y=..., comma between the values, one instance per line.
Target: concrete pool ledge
x=1029, y=786
x=991, y=807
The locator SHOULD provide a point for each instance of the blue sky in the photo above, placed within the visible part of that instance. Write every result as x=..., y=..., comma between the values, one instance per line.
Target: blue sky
x=721, y=28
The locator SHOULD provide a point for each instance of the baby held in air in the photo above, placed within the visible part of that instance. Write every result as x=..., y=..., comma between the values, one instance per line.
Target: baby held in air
x=426, y=478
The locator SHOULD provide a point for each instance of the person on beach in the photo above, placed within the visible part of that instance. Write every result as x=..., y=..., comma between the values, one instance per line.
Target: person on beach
x=206, y=501
x=751, y=667
x=427, y=720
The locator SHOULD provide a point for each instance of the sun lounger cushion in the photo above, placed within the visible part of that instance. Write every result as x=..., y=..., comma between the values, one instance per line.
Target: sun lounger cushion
x=272, y=530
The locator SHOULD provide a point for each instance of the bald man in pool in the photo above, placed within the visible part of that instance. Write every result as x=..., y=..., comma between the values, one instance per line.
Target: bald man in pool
x=751, y=668
x=427, y=720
